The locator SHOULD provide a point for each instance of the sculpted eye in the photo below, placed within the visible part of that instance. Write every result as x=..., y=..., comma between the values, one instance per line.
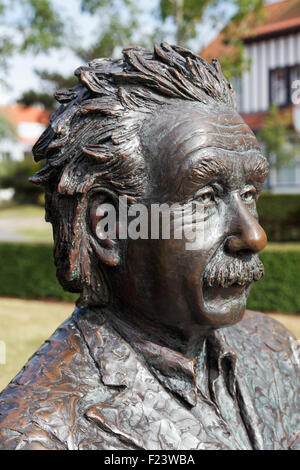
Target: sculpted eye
x=249, y=195
x=206, y=198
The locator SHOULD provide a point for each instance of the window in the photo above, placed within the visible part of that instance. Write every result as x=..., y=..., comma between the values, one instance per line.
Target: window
x=294, y=73
x=5, y=156
x=28, y=156
x=279, y=87
x=281, y=80
x=286, y=176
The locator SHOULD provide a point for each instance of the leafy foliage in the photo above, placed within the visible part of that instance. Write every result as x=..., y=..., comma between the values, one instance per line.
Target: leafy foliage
x=279, y=214
x=186, y=14
x=27, y=271
x=28, y=25
x=32, y=97
x=53, y=82
x=40, y=25
x=15, y=175
x=278, y=290
x=278, y=136
x=7, y=130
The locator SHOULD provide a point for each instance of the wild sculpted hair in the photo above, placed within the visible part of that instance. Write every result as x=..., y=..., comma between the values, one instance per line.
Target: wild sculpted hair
x=92, y=142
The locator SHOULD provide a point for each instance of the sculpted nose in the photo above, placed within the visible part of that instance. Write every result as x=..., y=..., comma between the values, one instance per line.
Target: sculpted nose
x=247, y=235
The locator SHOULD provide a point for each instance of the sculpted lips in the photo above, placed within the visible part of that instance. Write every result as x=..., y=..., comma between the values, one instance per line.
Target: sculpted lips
x=227, y=280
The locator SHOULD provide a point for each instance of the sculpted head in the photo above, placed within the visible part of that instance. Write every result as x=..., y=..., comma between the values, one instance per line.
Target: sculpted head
x=157, y=127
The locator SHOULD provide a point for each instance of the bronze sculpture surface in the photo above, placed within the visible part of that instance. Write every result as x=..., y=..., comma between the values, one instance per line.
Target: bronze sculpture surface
x=160, y=352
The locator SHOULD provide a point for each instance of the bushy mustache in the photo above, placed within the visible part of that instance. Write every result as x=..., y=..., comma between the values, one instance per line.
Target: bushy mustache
x=225, y=270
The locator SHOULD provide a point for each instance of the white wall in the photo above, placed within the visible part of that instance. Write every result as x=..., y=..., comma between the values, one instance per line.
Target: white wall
x=15, y=149
x=266, y=55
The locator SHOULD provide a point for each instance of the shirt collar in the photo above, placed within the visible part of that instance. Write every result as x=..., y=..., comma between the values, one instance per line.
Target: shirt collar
x=173, y=369
x=183, y=375
x=187, y=377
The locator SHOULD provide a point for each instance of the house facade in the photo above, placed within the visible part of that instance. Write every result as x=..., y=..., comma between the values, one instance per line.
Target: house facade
x=273, y=48
x=29, y=122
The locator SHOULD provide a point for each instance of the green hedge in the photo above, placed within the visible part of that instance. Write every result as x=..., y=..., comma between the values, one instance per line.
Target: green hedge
x=279, y=214
x=27, y=271
x=279, y=290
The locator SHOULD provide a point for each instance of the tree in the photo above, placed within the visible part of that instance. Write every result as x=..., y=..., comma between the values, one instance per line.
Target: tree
x=119, y=29
x=185, y=14
x=119, y=24
x=188, y=15
x=53, y=82
x=15, y=175
x=28, y=25
x=278, y=137
x=7, y=130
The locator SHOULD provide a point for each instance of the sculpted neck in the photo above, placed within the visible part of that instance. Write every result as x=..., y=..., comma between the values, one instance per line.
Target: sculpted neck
x=130, y=325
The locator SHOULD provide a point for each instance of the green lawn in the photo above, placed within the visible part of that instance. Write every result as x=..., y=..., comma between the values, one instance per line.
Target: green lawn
x=40, y=234
x=26, y=324
x=13, y=210
x=27, y=222
x=285, y=246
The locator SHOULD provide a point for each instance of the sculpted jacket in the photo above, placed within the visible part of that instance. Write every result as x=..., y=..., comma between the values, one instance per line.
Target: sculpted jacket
x=88, y=387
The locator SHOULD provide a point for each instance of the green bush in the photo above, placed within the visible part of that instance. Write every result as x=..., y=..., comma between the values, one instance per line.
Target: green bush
x=27, y=271
x=279, y=214
x=279, y=290
x=15, y=175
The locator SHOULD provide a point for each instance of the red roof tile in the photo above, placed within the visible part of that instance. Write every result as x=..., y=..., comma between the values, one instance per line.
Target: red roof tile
x=277, y=18
x=256, y=120
x=19, y=113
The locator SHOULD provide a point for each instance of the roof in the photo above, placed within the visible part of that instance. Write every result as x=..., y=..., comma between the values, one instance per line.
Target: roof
x=29, y=121
x=18, y=113
x=256, y=120
x=277, y=19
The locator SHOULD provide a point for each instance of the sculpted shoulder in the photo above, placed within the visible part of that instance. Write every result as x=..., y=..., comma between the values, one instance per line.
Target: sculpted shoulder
x=46, y=405
x=55, y=378
x=261, y=328
x=268, y=374
x=267, y=349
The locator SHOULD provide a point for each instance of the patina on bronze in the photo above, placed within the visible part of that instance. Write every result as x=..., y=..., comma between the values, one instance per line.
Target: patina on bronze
x=160, y=352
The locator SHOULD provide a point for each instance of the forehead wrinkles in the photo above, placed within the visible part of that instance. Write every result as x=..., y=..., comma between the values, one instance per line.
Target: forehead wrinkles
x=220, y=142
x=181, y=134
x=221, y=137
x=177, y=132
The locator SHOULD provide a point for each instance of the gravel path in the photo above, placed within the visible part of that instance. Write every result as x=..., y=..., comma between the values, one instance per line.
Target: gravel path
x=10, y=228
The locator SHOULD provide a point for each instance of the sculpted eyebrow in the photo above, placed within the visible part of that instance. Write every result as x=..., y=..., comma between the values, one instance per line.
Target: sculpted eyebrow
x=258, y=168
x=208, y=169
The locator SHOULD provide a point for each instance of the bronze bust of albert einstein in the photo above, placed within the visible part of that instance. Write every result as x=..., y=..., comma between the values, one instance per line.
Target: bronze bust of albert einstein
x=160, y=352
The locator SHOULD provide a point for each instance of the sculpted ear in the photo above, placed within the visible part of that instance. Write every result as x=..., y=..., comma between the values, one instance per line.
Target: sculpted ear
x=103, y=215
